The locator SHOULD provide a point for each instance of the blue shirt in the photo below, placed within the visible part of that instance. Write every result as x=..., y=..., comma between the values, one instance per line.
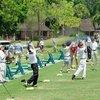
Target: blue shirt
x=19, y=47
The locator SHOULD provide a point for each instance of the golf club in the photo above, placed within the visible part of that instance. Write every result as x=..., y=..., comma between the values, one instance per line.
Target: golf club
x=6, y=89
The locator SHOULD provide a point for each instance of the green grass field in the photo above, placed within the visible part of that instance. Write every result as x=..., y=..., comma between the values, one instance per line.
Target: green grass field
x=59, y=87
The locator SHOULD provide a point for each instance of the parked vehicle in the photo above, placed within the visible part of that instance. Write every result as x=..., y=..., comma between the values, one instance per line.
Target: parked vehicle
x=5, y=43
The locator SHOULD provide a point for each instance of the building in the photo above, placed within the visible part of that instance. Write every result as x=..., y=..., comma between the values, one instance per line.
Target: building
x=86, y=26
x=25, y=32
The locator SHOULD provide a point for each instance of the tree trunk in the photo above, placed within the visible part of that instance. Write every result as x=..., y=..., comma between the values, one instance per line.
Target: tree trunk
x=39, y=31
x=63, y=30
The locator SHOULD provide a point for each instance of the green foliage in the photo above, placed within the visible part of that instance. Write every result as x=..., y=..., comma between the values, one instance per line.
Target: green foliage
x=0, y=37
x=64, y=13
x=73, y=34
x=96, y=17
x=52, y=1
x=58, y=86
x=93, y=7
x=35, y=38
x=81, y=33
x=37, y=8
x=81, y=11
x=12, y=12
x=27, y=38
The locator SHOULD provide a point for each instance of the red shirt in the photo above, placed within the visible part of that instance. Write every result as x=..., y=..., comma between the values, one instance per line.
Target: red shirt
x=73, y=48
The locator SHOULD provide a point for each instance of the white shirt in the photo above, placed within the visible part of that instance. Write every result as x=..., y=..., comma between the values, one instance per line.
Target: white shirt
x=2, y=56
x=66, y=51
x=89, y=43
x=94, y=45
x=32, y=57
x=41, y=43
x=82, y=53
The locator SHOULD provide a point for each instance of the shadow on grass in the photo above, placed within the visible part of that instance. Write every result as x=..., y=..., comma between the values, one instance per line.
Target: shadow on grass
x=78, y=79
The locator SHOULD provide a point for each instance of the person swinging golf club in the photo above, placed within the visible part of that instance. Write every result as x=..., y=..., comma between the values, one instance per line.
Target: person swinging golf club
x=3, y=69
x=2, y=65
x=82, y=66
x=34, y=65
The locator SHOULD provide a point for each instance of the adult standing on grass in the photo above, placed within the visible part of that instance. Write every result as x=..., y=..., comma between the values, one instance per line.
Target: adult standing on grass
x=10, y=53
x=18, y=51
x=41, y=45
x=89, y=50
x=34, y=65
x=94, y=53
x=82, y=56
x=2, y=65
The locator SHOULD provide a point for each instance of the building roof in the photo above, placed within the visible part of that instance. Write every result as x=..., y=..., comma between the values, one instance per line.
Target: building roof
x=24, y=27
x=42, y=27
x=86, y=25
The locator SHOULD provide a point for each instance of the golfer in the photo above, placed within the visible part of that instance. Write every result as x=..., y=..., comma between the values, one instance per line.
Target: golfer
x=73, y=53
x=82, y=66
x=34, y=65
x=10, y=53
x=67, y=58
x=18, y=51
x=2, y=65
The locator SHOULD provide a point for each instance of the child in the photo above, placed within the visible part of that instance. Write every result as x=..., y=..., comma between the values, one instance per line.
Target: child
x=66, y=53
x=73, y=53
x=82, y=66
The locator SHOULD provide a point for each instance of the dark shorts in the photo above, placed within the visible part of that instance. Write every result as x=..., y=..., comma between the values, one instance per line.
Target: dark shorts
x=42, y=47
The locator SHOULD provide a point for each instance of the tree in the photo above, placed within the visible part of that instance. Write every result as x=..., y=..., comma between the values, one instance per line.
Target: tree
x=81, y=11
x=63, y=12
x=60, y=10
x=93, y=7
x=96, y=17
x=50, y=2
x=37, y=8
x=12, y=12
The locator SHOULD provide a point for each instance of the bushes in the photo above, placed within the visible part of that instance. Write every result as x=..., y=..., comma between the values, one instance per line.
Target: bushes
x=36, y=38
x=81, y=33
x=73, y=34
